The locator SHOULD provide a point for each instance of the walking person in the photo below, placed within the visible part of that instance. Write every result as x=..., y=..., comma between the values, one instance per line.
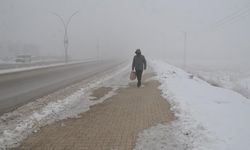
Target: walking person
x=139, y=63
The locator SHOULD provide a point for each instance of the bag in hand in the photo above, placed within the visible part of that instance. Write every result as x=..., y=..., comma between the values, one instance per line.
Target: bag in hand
x=132, y=75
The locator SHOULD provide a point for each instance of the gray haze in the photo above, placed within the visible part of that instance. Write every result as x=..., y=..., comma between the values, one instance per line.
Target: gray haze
x=216, y=29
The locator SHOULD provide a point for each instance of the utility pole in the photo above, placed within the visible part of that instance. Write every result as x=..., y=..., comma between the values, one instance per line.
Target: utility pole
x=66, y=38
x=98, y=49
x=185, y=50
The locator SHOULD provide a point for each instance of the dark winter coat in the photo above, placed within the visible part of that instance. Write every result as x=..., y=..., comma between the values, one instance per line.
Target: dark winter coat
x=139, y=62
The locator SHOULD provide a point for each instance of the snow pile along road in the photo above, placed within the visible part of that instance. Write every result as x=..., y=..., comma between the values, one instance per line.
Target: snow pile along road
x=208, y=117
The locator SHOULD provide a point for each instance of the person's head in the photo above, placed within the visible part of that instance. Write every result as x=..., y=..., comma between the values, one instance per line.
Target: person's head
x=138, y=52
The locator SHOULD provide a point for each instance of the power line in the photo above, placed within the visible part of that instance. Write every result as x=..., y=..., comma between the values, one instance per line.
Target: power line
x=232, y=17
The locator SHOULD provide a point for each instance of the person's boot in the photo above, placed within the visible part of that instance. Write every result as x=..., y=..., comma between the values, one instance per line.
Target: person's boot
x=139, y=84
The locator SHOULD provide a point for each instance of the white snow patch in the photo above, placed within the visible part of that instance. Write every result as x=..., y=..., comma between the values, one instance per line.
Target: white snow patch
x=208, y=117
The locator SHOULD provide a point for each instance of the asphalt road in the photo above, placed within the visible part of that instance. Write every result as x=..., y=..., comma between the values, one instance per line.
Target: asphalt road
x=20, y=88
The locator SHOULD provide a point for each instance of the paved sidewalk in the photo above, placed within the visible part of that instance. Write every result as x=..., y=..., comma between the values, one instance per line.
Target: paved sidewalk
x=111, y=125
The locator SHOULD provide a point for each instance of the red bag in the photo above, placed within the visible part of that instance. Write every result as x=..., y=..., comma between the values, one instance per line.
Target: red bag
x=132, y=75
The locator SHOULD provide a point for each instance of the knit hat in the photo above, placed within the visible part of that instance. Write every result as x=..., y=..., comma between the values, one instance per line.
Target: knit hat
x=138, y=51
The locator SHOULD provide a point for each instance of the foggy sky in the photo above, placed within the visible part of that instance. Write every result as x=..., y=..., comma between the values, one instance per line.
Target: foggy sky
x=121, y=26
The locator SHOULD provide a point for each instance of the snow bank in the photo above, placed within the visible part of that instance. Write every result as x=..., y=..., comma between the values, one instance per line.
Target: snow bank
x=237, y=81
x=16, y=126
x=208, y=117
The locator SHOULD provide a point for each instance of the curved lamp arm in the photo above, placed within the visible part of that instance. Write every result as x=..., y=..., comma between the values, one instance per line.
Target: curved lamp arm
x=71, y=18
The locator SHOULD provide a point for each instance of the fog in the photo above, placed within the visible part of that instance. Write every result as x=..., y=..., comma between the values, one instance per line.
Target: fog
x=215, y=30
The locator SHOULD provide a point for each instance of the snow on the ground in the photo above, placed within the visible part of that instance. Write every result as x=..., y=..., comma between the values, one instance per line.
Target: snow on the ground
x=234, y=75
x=12, y=70
x=17, y=125
x=207, y=117
x=237, y=81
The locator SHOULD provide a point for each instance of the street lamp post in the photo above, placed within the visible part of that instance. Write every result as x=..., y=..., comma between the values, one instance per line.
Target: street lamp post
x=66, y=38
